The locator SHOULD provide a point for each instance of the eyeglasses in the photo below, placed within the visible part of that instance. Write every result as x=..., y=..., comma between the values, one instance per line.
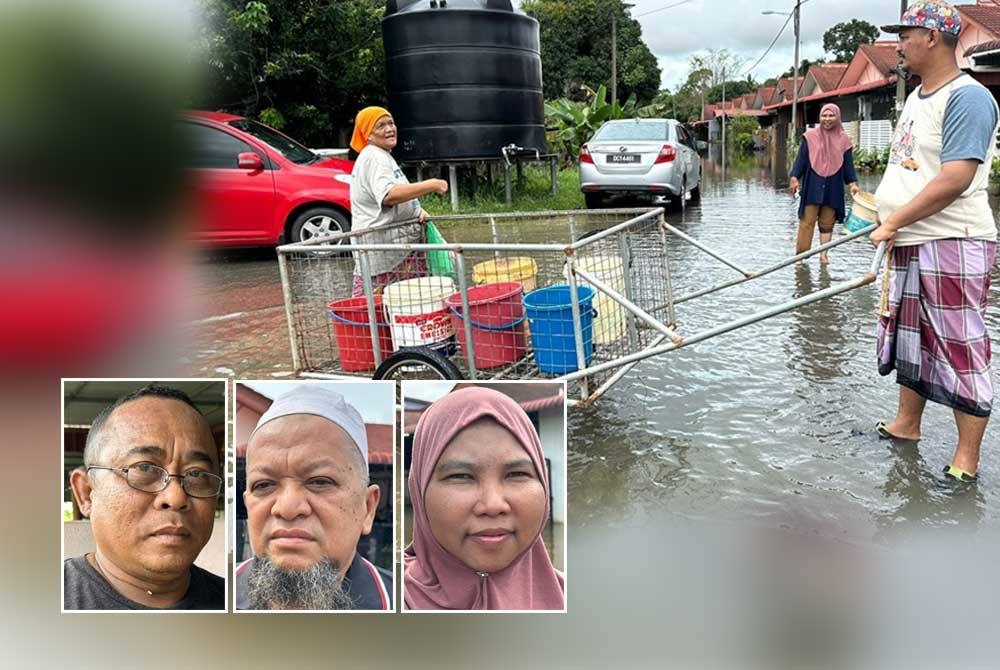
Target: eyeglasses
x=153, y=479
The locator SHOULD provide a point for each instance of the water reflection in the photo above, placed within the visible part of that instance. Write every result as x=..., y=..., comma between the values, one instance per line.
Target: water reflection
x=774, y=417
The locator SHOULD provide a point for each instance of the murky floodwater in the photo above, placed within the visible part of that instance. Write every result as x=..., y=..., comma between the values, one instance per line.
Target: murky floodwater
x=771, y=424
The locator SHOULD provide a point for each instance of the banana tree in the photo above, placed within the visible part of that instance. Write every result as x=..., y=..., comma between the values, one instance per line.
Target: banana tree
x=573, y=123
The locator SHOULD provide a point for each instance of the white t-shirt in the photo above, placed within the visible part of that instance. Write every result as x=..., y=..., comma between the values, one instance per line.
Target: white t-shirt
x=375, y=173
x=916, y=157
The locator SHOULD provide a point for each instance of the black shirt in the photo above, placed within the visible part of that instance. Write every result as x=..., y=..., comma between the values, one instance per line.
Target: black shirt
x=86, y=589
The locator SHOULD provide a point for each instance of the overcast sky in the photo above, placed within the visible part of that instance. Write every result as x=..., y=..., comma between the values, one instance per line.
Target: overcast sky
x=674, y=35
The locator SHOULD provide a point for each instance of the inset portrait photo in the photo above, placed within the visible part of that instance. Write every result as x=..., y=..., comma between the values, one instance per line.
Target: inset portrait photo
x=144, y=495
x=314, y=492
x=485, y=496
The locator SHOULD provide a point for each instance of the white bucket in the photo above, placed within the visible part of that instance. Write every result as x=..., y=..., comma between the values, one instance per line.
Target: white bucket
x=609, y=326
x=418, y=316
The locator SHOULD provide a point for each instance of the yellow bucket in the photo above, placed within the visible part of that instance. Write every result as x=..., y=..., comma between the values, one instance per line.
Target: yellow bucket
x=521, y=269
x=609, y=325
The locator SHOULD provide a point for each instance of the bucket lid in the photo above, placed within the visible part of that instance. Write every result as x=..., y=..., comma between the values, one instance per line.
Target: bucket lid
x=865, y=199
x=600, y=264
x=518, y=267
x=419, y=290
x=485, y=294
x=536, y=300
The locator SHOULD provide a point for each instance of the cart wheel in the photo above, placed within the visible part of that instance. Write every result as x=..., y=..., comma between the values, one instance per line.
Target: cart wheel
x=419, y=363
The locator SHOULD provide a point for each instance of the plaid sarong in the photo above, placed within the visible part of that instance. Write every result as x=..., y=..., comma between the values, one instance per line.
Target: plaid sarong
x=413, y=266
x=935, y=337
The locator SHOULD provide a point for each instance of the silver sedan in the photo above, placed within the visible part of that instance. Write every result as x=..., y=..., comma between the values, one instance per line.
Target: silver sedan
x=645, y=157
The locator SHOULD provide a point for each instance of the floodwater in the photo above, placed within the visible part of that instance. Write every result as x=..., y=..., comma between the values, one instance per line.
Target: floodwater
x=770, y=425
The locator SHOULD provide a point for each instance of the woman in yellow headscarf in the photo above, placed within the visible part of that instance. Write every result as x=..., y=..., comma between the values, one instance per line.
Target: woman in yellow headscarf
x=381, y=195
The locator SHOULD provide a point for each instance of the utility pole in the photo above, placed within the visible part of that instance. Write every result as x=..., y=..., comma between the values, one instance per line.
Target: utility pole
x=614, y=58
x=795, y=79
x=901, y=80
x=723, y=117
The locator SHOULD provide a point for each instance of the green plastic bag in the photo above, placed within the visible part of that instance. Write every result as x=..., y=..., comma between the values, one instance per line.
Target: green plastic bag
x=439, y=263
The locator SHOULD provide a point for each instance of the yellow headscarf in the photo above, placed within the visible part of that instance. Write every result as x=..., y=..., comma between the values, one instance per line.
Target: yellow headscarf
x=363, y=125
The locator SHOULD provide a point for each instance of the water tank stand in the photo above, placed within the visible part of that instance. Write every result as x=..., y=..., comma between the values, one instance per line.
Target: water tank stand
x=453, y=166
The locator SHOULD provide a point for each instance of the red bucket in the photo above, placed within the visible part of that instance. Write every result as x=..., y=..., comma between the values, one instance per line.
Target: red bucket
x=496, y=316
x=354, y=337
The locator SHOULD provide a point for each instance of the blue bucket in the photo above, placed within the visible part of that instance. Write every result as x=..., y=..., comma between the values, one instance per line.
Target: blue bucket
x=550, y=316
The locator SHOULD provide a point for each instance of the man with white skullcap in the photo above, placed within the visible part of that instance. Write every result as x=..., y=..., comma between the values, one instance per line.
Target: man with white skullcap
x=308, y=501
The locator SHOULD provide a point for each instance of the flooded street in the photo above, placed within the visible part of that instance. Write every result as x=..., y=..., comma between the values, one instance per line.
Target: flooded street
x=771, y=425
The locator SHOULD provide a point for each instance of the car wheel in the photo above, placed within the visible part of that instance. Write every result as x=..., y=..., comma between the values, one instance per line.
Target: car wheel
x=680, y=202
x=418, y=363
x=696, y=191
x=593, y=200
x=319, y=222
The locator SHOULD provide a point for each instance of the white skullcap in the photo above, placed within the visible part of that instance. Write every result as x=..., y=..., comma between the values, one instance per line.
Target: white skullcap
x=319, y=401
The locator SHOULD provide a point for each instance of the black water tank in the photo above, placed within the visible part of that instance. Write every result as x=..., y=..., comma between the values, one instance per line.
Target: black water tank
x=464, y=76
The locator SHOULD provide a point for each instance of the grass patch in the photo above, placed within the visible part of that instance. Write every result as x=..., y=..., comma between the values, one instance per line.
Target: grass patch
x=535, y=195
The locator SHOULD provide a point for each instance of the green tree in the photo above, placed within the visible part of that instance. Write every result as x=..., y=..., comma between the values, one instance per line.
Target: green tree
x=303, y=66
x=576, y=49
x=843, y=39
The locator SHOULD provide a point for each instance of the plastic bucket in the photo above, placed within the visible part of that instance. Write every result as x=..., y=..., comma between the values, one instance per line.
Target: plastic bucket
x=417, y=314
x=522, y=269
x=354, y=338
x=864, y=212
x=496, y=315
x=552, y=332
x=610, y=323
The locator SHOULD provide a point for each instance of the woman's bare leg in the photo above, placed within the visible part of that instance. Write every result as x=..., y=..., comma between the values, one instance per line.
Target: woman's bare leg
x=827, y=217
x=807, y=224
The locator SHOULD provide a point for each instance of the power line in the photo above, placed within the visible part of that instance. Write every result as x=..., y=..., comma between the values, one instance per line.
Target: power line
x=770, y=46
x=661, y=9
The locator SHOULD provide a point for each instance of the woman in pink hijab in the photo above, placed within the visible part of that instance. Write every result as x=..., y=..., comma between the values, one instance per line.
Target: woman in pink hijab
x=480, y=495
x=824, y=165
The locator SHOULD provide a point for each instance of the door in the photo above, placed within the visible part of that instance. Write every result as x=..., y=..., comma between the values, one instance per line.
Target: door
x=236, y=206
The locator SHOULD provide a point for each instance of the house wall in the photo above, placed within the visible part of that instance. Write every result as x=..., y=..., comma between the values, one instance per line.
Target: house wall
x=551, y=432
x=972, y=34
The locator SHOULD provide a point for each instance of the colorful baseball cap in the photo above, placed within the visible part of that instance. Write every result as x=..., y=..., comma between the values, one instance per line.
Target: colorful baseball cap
x=929, y=14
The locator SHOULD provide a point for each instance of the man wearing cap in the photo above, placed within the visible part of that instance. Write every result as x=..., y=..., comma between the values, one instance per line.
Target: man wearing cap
x=308, y=501
x=936, y=219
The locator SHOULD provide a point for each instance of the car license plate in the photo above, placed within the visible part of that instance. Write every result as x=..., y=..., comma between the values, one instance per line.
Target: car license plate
x=623, y=158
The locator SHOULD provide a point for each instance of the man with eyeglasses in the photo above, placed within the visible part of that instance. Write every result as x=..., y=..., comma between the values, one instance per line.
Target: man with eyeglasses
x=309, y=500
x=149, y=485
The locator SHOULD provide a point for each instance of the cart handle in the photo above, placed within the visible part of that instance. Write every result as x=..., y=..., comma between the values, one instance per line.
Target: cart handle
x=336, y=317
x=483, y=326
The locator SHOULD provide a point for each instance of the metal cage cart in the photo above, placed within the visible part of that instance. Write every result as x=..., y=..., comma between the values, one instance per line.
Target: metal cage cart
x=579, y=295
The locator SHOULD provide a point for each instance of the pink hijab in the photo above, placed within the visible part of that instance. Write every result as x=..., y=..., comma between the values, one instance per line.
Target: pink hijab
x=433, y=578
x=827, y=147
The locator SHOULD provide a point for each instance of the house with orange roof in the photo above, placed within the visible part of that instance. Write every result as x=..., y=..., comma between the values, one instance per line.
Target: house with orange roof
x=821, y=78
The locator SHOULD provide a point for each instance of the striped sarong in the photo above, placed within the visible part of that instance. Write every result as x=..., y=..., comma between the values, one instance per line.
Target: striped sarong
x=935, y=337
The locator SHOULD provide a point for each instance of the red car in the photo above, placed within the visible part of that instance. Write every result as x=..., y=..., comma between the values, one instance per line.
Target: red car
x=256, y=186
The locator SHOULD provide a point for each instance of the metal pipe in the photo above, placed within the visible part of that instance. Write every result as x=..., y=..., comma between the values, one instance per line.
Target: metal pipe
x=590, y=239
x=463, y=285
x=473, y=246
x=775, y=267
x=496, y=235
x=690, y=240
x=574, y=305
x=725, y=328
x=671, y=316
x=625, y=251
x=624, y=370
x=628, y=304
x=366, y=277
x=286, y=289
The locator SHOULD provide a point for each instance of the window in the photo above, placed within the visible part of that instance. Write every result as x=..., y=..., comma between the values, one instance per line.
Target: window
x=288, y=147
x=650, y=131
x=214, y=149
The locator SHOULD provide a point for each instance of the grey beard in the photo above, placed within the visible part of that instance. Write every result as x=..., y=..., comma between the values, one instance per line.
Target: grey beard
x=317, y=588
